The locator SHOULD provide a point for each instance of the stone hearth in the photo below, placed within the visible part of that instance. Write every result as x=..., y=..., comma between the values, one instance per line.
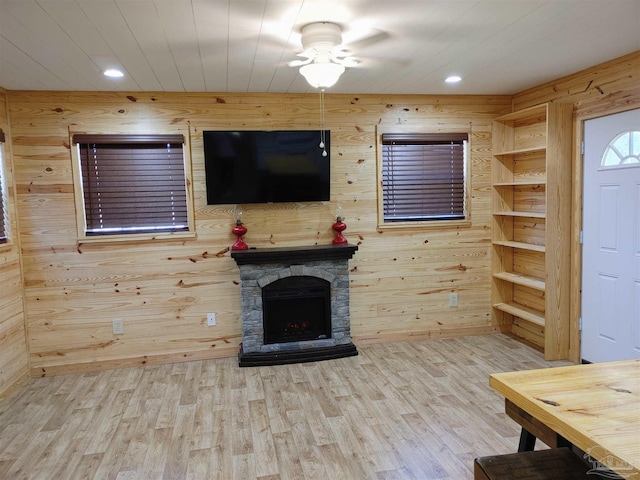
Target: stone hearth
x=262, y=267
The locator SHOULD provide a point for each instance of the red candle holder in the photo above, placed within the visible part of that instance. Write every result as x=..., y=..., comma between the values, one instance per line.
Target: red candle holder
x=339, y=227
x=239, y=230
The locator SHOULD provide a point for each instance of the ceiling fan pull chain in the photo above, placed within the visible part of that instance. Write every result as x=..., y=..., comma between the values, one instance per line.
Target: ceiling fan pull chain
x=322, y=132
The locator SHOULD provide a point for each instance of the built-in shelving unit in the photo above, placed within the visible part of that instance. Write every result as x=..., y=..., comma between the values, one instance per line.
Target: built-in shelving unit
x=531, y=185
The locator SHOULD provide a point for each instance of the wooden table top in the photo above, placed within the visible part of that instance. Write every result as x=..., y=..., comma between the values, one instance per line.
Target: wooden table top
x=596, y=407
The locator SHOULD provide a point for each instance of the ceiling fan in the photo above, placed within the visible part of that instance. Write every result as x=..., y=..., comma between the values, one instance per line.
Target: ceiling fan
x=322, y=41
x=324, y=55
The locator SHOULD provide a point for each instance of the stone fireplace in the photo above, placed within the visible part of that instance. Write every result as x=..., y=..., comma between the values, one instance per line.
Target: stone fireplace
x=295, y=304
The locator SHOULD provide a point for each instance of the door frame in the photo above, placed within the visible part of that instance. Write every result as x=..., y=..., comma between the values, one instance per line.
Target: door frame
x=581, y=114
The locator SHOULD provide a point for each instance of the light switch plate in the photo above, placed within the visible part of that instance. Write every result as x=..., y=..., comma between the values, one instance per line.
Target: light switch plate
x=118, y=326
x=453, y=299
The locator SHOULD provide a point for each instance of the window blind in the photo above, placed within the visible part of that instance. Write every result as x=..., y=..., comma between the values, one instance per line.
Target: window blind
x=3, y=202
x=423, y=176
x=133, y=183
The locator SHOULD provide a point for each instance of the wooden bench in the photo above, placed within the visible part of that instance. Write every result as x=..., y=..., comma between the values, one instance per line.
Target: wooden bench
x=552, y=464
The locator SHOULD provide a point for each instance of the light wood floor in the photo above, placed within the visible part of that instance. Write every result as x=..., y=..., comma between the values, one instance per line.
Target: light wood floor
x=408, y=410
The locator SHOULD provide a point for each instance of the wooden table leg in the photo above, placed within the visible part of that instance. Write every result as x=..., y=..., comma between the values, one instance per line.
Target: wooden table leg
x=533, y=429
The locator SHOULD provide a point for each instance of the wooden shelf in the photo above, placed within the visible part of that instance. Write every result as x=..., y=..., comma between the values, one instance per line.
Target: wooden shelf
x=528, y=183
x=521, y=214
x=532, y=157
x=519, y=151
x=534, y=111
x=523, y=312
x=521, y=245
x=524, y=280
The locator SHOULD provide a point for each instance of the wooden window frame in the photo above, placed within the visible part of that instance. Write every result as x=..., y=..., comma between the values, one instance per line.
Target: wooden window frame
x=423, y=223
x=78, y=139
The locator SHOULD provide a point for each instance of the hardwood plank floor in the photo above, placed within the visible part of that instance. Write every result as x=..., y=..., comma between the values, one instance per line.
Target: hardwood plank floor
x=407, y=410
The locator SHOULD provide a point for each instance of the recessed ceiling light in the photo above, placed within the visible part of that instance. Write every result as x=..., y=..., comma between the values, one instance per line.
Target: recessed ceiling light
x=453, y=79
x=112, y=72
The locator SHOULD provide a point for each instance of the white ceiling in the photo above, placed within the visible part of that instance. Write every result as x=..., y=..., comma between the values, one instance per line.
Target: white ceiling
x=405, y=46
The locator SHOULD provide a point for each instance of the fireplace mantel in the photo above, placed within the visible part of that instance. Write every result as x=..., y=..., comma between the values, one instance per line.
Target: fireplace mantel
x=301, y=254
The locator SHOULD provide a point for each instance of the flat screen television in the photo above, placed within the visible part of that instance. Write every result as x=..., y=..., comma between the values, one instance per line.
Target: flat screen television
x=268, y=166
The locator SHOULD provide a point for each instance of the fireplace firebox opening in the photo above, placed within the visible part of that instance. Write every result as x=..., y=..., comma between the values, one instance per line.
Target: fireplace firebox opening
x=296, y=309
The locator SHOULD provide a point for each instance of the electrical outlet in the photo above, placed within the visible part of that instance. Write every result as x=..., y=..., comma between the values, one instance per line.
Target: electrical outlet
x=118, y=326
x=211, y=319
x=453, y=299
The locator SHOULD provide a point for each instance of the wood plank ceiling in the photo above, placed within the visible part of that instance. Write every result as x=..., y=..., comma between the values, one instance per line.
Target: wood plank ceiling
x=404, y=46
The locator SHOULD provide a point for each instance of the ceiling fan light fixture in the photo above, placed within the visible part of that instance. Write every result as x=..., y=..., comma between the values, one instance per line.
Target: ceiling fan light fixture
x=322, y=75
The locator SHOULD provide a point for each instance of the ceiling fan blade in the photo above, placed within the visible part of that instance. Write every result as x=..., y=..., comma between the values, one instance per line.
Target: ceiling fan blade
x=367, y=61
x=349, y=62
x=362, y=43
x=344, y=60
x=299, y=63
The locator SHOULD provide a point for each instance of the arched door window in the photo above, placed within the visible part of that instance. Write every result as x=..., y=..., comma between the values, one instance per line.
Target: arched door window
x=622, y=151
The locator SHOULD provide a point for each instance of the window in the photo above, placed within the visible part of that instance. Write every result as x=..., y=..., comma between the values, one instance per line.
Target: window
x=4, y=220
x=623, y=151
x=132, y=184
x=423, y=177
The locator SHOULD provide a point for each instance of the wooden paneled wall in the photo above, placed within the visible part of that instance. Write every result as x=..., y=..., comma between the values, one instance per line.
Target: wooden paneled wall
x=611, y=85
x=14, y=359
x=400, y=279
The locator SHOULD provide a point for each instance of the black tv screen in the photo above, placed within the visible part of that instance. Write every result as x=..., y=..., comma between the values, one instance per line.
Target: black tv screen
x=266, y=166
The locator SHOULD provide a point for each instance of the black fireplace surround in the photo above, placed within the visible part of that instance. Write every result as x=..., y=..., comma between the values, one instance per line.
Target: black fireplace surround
x=295, y=304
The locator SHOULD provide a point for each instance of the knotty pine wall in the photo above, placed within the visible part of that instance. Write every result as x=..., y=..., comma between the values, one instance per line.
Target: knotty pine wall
x=163, y=289
x=612, y=85
x=400, y=280
x=13, y=346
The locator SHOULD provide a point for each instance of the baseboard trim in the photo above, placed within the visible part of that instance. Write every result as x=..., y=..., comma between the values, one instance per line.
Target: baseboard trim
x=231, y=350
x=138, y=361
x=425, y=335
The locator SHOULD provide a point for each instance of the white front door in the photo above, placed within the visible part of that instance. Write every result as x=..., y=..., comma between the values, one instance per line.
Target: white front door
x=611, y=238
